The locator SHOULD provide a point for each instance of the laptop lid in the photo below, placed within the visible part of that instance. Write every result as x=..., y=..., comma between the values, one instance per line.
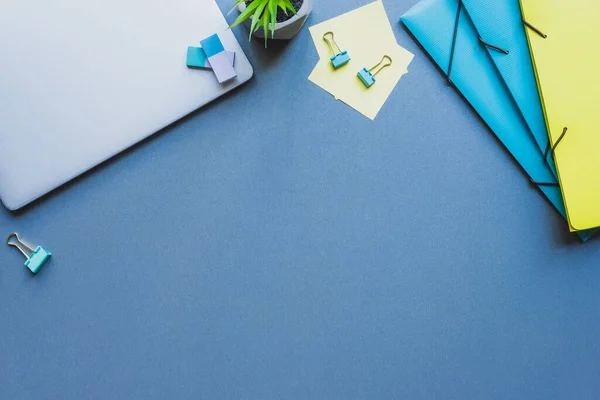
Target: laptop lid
x=82, y=80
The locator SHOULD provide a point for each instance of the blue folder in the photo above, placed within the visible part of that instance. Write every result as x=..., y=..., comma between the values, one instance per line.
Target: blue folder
x=447, y=33
x=500, y=23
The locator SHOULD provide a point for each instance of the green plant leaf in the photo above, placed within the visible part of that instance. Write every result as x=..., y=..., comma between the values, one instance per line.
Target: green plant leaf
x=255, y=18
x=246, y=14
x=236, y=4
x=286, y=6
x=273, y=11
x=281, y=4
x=263, y=13
x=266, y=28
x=293, y=10
x=290, y=7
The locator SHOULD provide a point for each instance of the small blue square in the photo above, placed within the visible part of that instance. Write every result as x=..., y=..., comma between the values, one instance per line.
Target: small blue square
x=37, y=260
x=366, y=77
x=212, y=45
x=196, y=58
x=340, y=59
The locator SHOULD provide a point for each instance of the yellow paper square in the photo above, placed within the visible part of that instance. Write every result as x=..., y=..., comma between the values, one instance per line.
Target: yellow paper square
x=367, y=36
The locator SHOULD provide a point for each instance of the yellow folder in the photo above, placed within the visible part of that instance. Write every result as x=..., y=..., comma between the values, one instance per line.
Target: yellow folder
x=563, y=38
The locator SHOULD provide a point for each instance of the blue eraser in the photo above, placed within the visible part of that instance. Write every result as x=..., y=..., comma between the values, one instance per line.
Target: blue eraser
x=212, y=45
x=366, y=77
x=37, y=260
x=196, y=58
x=340, y=59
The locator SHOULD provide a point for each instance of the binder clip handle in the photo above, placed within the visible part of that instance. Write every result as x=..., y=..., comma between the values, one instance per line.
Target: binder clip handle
x=381, y=65
x=18, y=244
x=329, y=38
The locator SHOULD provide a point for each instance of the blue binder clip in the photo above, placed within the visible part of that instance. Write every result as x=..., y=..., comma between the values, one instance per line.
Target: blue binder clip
x=339, y=57
x=367, y=76
x=36, y=259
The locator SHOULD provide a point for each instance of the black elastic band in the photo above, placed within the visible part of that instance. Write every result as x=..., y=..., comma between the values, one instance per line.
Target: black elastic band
x=536, y=30
x=554, y=184
x=491, y=46
x=454, y=41
x=552, y=149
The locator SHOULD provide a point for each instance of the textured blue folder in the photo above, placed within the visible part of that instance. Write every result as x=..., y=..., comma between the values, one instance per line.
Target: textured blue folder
x=500, y=24
x=435, y=24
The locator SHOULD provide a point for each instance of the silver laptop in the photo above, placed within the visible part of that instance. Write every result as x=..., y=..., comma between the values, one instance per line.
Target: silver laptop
x=82, y=80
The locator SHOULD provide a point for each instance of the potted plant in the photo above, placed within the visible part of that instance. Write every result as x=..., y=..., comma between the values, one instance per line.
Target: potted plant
x=281, y=18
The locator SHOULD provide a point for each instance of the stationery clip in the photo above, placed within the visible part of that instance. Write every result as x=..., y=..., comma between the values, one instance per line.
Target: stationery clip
x=492, y=46
x=367, y=76
x=536, y=30
x=551, y=149
x=38, y=257
x=454, y=36
x=544, y=184
x=339, y=57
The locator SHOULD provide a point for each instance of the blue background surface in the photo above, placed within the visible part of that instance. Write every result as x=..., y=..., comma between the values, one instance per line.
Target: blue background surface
x=279, y=245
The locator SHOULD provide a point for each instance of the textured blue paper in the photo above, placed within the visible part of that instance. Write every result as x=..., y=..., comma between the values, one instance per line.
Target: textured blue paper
x=303, y=258
x=500, y=23
x=475, y=75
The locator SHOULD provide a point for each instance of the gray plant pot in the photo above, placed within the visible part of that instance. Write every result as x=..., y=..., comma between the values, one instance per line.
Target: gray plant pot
x=284, y=30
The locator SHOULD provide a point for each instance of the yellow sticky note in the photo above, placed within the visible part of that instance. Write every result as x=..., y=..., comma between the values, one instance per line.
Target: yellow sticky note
x=567, y=68
x=367, y=36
